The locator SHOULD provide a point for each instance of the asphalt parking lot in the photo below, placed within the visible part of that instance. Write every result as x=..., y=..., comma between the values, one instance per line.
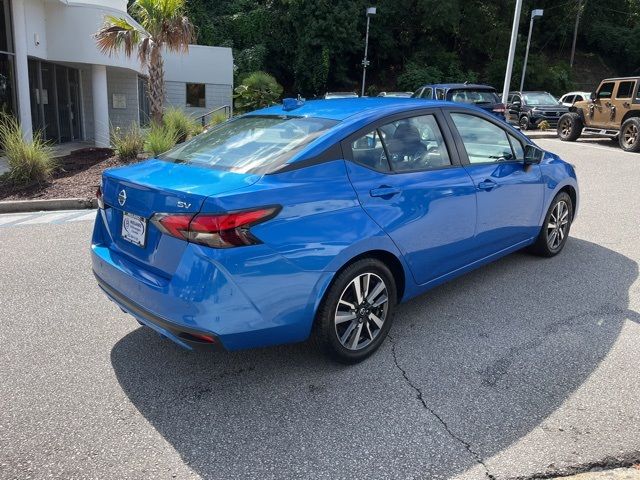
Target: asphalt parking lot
x=524, y=368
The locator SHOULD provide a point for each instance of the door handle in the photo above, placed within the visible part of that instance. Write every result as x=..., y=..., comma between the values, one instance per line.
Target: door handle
x=384, y=191
x=487, y=184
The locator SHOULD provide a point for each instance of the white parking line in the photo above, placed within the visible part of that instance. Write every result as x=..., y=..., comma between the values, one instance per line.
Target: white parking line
x=10, y=217
x=48, y=218
x=38, y=218
x=588, y=144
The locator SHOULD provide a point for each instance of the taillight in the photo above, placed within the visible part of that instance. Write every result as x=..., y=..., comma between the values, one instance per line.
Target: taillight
x=100, y=198
x=499, y=108
x=215, y=230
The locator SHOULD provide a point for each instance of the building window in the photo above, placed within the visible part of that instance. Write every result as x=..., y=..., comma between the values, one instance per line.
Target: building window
x=7, y=81
x=196, y=95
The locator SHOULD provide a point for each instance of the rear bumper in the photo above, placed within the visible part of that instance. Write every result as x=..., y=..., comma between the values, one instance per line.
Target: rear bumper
x=247, y=298
x=188, y=338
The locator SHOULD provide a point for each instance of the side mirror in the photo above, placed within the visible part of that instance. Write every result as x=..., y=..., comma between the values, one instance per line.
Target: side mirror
x=532, y=155
x=593, y=96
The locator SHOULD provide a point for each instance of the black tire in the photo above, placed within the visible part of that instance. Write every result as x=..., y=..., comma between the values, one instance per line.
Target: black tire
x=570, y=127
x=328, y=331
x=629, y=137
x=545, y=245
x=524, y=123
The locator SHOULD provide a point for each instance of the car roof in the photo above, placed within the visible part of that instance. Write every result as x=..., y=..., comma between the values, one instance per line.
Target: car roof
x=342, y=108
x=449, y=86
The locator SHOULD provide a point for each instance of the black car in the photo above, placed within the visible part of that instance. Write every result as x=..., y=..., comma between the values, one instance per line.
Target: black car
x=483, y=96
x=528, y=109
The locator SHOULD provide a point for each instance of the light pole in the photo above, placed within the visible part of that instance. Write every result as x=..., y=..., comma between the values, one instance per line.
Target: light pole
x=512, y=51
x=534, y=14
x=371, y=11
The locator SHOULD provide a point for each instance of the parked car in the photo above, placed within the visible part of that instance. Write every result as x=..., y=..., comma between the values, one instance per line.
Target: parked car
x=318, y=218
x=340, y=95
x=483, y=96
x=528, y=109
x=396, y=94
x=613, y=111
x=568, y=99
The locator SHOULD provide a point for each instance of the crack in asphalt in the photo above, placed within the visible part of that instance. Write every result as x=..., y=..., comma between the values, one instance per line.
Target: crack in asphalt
x=626, y=460
x=476, y=456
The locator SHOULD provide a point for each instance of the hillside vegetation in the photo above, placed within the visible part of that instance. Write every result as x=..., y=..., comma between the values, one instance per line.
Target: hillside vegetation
x=311, y=46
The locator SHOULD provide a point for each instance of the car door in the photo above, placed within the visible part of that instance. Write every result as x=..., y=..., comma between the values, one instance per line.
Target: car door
x=601, y=112
x=623, y=99
x=509, y=194
x=515, y=104
x=411, y=183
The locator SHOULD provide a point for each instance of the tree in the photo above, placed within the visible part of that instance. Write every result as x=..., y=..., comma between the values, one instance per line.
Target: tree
x=164, y=25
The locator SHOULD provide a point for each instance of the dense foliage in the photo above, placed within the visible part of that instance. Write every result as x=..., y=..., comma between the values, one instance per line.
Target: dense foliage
x=312, y=46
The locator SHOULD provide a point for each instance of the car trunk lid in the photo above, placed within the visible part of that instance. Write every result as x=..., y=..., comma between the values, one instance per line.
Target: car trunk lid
x=135, y=193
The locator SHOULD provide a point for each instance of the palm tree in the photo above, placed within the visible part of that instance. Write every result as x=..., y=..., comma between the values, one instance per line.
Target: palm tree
x=164, y=25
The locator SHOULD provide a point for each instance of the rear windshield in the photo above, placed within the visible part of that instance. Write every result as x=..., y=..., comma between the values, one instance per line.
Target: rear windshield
x=543, y=98
x=474, y=97
x=252, y=144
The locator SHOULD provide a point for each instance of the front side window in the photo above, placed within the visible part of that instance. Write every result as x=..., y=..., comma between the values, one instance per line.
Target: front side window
x=606, y=90
x=625, y=89
x=250, y=144
x=569, y=99
x=196, y=95
x=484, y=141
x=579, y=98
x=427, y=93
x=440, y=93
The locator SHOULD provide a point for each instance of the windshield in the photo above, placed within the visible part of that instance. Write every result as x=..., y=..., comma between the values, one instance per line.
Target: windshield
x=542, y=98
x=252, y=144
x=472, y=96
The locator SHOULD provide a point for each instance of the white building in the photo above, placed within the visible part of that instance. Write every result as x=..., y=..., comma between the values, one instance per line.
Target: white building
x=54, y=78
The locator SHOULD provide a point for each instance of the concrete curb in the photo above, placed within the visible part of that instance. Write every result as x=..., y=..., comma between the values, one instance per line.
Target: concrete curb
x=20, y=206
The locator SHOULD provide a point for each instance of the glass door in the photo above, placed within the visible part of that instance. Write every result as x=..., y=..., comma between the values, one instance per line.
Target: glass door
x=55, y=101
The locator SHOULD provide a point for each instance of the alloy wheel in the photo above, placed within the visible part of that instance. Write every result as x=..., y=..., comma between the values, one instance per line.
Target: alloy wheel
x=558, y=225
x=361, y=311
x=630, y=135
x=565, y=128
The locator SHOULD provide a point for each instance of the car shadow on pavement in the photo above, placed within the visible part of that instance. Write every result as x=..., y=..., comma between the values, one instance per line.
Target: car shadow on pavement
x=470, y=368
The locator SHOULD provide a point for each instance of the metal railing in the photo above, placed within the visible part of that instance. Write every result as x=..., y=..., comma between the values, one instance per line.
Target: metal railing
x=224, y=108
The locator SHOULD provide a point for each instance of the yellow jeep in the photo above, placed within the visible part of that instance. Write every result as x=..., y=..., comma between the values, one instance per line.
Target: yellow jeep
x=612, y=111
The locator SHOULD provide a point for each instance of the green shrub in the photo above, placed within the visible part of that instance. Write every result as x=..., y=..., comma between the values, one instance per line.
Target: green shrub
x=216, y=119
x=182, y=124
x=258, y=90
x=127, y=144
x=28, y=162
x=159, y=139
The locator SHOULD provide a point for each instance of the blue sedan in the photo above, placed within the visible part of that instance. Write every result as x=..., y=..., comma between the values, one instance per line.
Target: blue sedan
x=318, y=218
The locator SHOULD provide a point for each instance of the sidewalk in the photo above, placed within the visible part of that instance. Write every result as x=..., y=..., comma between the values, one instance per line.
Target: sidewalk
x=616, y=474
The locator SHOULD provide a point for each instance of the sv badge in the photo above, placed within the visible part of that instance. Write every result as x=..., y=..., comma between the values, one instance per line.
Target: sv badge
x=182, y=204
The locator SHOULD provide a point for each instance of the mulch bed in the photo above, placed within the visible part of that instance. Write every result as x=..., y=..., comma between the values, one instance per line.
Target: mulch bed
x=77, y=176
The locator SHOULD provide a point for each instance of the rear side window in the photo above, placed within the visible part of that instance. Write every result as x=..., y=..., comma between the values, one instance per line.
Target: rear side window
x=440, y=93
x=410, y=144
x=251, y=144
x=606, y=90
x=579, y=98
x=483, y=141
x=569, y=99
x=625, y=89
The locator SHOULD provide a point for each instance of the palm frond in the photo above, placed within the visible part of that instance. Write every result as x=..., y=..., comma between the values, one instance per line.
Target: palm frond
x=117, y=34
x=178, y=34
